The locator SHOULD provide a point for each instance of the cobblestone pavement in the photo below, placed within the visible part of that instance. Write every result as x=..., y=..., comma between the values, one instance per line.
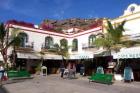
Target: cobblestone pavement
x=55, y=84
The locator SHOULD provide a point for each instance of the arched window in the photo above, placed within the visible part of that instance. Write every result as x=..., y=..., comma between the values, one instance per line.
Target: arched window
x=92, y=39
x=75, y=45
x=99, y=35
x=48, y=42
x=64, y=43
x=24, y=39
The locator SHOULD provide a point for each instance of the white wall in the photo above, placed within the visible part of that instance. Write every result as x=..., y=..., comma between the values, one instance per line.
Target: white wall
x=38, y=37
x=132, y=20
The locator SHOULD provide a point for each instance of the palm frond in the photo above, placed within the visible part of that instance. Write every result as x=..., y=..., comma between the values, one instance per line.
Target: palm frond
x=112, y=39
x=15, y=41
x=121, y=26
x=15, y=32
x=2, y=32
x=110, y=26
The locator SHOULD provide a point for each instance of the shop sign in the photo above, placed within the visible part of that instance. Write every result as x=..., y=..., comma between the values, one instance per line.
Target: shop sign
x=129, y=55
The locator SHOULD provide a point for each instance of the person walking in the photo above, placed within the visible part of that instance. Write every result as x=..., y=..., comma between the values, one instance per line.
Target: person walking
x=62, y=69
x=1, y=73
x=74, y=70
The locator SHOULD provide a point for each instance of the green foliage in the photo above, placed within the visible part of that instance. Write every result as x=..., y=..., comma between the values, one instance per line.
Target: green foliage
x=60, y=49
x=2, y=32
x=38, y=68
x=75, y=45
x=15, y=41
x=16, y=38
x=105, y=42
x=115, y=32
x=6, y=41
x=112, y=39
x=64, y=44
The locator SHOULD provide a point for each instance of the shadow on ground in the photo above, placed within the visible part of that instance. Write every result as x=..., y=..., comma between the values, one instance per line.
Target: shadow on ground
x=3, y=90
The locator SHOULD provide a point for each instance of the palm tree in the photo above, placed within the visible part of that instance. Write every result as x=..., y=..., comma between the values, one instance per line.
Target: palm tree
x=112, y=39
x=60, y=50
x=6, y=42
x=16, y=43
x=129, y=42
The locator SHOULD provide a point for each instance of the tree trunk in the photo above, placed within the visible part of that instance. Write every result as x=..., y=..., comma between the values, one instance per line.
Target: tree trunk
x=62, y=59
x=109, y=51
x=4, y=55
x=14, y=58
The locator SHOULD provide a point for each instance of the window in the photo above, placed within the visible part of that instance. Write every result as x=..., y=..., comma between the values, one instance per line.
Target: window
x=132, y=9
x=92, y=39
x=100, y=35
x=24, y=39
x=75, y=45
x=48, y=42
x=64, y=43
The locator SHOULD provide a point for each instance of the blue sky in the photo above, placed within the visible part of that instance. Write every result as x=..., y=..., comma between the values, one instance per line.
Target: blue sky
x=35, y=11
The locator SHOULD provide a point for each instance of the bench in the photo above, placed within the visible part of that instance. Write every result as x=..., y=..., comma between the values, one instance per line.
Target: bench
x=13, y=74
x=101, y=78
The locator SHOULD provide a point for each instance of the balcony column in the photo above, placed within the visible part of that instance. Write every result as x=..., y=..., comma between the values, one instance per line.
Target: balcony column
x=80, y=46
x=37, y=46
x=70, y=46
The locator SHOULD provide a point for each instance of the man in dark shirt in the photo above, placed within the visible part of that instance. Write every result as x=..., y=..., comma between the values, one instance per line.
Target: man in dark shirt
x=62, y=69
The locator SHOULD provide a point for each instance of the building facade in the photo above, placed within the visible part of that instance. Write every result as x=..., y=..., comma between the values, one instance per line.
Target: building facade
x=130, y=55
x=36, y=40
x=80, y=42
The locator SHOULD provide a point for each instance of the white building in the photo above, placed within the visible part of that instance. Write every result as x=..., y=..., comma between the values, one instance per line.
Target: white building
x=132, y=31
x=80, y=42
x=36, y=39
x=130, y=56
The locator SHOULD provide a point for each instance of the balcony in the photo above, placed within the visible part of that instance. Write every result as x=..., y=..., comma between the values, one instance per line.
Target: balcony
x=86, y=47
x=47, y=48
x=26, y=47
x=74, y=49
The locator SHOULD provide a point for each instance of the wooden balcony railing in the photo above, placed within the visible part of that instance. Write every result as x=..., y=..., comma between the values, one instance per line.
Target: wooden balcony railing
x=28, y=47
x=47, y=48
x=90, y=48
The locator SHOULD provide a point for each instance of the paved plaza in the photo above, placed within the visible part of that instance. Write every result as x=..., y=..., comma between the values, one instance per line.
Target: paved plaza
x=55, y=84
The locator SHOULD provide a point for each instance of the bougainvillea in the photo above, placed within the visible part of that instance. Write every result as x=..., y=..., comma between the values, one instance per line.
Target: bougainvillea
x=21, y=23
